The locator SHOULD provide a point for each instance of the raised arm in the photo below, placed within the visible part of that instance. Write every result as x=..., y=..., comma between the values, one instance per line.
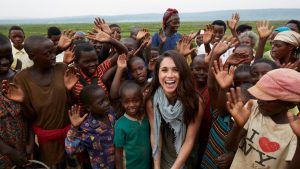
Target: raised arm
x=115, y=86
x=264, y=31
x=240, y=114
x=232, y=23
x=207, y=37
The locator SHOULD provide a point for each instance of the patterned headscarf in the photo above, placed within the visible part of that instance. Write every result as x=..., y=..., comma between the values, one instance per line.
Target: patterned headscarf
x=167, y=16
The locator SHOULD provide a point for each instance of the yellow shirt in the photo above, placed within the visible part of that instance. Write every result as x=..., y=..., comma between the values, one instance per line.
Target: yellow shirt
x=22, y=56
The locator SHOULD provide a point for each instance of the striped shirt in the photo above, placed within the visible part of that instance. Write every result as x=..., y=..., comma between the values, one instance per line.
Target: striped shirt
x=101, y=70
x=220, y=128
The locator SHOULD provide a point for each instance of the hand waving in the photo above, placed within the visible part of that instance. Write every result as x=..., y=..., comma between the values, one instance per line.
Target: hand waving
x=184, y=46
x=222, y=46
x=232, y=23
x=264, y=29
x=142, y=34
x=69, y=55
x=122, y=61
x=208, y=34
x=12, y=91
x=66, y=39
x=236, y=107
x=74, y=115
x=100, y=23
x=223, y=77
x=99, y=35
x=71, y=77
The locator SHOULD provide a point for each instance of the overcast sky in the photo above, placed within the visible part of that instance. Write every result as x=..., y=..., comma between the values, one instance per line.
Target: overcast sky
x=62, y=8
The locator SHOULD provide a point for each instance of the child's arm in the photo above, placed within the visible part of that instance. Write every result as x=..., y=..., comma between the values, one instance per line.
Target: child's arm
x=119, y=158
x=122, y=64
x=232, y=23
x=73, y=140
x=240, y=114
x=207, y=37
x=190, y=138
x=224, y=80
x=264, y=31
x=163, y=39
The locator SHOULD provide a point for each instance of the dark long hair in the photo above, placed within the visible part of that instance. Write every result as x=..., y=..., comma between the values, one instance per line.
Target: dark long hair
x=185, y=90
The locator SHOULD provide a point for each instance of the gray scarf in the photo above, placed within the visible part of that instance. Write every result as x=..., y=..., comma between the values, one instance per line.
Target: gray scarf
x=173, y=115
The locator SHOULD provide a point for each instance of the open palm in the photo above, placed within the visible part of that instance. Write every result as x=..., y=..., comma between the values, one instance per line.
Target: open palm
x=74, y=115
x=71, y=77
x=12, y=91
x=223, y=77
x=236, y=107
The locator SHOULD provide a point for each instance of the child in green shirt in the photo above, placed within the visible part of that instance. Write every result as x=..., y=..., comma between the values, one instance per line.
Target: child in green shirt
x=132, y=132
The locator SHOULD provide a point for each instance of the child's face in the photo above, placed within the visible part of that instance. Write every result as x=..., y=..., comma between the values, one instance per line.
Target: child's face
x=99, y=104
x=45, y=55
x=6, y=58
x=258, y=70
x=199, y=39
x=219, y=33
x=88, y=62
x=132, y=101
x=269, y=108
x=55, y=39
x=199, y=70
x=154, y=53
x=241, y=78
x=17, y=37
x=139, y=71
x=116, y=30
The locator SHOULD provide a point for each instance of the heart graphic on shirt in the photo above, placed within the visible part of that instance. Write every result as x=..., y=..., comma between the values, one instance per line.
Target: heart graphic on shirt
x=268, y=146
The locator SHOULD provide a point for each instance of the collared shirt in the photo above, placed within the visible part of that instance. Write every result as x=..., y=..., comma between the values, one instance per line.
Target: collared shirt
x=97, y=138
x=22, y=56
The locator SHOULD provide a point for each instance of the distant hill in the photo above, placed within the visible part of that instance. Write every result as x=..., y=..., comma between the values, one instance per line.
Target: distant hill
x=246, y=15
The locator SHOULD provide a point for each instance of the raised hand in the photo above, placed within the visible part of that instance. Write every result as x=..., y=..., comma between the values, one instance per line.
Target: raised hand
x=74, y=115
x=142, y=34
x=232, y=23
x=264, y=29
x=66, y=39
x=162, y=36
x=193, y=35
x=12, y=91
x=99, y=35
x=222, y=46
x=294, y=122
x=223, y=77
x=236, y=107
x=69, y=55
x=184, y=46
x=100, y=23
x=208, y=34
x=71, y=77
x=152, y=63
x=122, y=61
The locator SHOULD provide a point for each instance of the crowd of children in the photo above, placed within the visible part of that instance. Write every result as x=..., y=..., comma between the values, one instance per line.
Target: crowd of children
x=167, y=101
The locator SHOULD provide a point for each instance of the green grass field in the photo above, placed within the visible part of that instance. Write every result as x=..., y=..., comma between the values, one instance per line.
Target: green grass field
x=185, y=27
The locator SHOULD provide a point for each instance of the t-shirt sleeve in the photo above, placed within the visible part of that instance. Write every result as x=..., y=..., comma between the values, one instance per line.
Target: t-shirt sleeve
x=291, y=149
x=119, y=138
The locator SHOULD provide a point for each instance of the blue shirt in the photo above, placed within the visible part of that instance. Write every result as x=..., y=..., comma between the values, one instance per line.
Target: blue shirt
x=170, y=43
